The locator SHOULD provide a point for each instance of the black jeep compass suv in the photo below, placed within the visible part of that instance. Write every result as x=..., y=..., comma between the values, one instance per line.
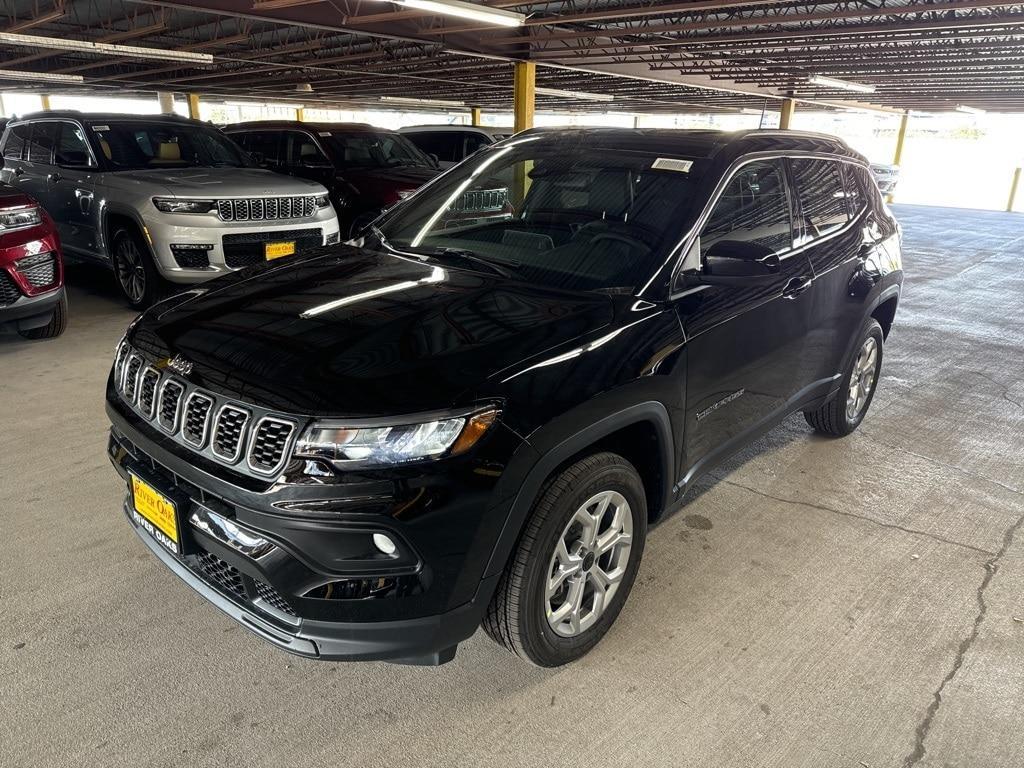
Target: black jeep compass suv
x=368, y=451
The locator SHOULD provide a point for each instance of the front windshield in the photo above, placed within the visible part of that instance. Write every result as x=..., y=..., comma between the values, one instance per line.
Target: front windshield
x=135, y=145
x=369, y=149
x=569, y=217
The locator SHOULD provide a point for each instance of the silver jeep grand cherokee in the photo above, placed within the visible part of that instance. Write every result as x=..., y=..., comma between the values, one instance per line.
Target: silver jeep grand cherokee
x=162, y=199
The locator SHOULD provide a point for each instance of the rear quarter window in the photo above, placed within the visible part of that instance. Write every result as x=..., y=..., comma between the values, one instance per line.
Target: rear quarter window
x=822, y=195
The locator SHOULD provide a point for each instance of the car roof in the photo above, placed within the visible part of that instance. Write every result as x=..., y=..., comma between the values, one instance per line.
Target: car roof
x=303, y=125
x=103, y=117
x=449, y=127
x=696, y=142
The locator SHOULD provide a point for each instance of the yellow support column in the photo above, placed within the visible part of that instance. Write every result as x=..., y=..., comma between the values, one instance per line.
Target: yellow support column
x=300, y=114
x=46, y=102
x=524, y=94
x=475, y=115
x=786, y=114
x=901, y=137
x=1013, y=190
x=193, y=106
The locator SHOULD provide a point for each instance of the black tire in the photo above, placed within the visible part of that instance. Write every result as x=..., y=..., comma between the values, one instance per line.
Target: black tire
x=516, y=617
x=137, y=276
x=833, y=417
x=54, y=328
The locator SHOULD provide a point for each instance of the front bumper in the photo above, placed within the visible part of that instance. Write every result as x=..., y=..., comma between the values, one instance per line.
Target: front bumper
x=30, y=312
x=172, y=229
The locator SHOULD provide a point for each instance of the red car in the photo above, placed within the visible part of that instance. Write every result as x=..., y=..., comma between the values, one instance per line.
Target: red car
x=32, y=299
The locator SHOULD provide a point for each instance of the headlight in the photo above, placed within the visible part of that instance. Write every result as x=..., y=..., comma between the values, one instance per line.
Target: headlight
x=351, y=444
x=20, y=217
x=322, y=201
x=178, y=205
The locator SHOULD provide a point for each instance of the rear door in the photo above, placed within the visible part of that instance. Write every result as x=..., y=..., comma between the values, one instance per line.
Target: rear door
x=831, y=232
x=30, y=175
x=744, y=344
x=71, y=189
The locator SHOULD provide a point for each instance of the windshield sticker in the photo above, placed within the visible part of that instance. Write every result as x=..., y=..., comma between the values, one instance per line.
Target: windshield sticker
x=323, y=133
x=671, y=164
x=101, y=128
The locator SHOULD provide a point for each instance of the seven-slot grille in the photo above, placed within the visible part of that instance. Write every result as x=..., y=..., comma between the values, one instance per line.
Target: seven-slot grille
x=227, y=435
x=220, y=429
x=480, y=200
x=266, y=208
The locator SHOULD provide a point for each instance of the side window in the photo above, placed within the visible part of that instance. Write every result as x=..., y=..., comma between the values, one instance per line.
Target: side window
x=263, y=145
x=300, y=149
x=72, y=149
x=753, y=207
x=446, y=145
x=40, y=145
x=855, y=197
x=475, y=141
x=822, y=197
x=17, y=138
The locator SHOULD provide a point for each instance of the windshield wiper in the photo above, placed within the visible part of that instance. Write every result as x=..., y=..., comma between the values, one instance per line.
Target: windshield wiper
x=498, y=266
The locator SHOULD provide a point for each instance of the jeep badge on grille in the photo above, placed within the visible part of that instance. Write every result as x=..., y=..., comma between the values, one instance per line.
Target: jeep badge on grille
x=179, y=364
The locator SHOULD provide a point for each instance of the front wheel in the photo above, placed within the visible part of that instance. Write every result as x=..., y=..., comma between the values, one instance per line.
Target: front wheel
x=575, y=563
x=844, y=412
x=137, y=275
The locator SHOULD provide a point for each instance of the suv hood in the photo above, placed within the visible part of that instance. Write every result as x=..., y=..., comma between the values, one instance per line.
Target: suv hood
x=383, y=184
x=221, y=182
x=362, y=333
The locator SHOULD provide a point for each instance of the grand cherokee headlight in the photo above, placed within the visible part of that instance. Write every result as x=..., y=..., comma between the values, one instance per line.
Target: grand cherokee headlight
x=20, y=217
x=180, y=205
x=349, y=444
x=322, y=201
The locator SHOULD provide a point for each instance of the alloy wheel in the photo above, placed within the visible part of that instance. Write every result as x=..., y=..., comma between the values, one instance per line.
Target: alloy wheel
x=862, y=378
x=588, y=563
x=131, y=272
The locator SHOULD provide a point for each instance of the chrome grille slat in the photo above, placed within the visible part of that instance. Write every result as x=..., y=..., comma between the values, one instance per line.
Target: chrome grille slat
x=196, y=421
x=130, y=382
x=170, y=405
x=268, y=446
x=149, y=380
x=266, y=208
x=229, y=432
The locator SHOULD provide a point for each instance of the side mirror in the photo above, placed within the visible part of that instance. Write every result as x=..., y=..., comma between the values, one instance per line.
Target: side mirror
x=738, y=262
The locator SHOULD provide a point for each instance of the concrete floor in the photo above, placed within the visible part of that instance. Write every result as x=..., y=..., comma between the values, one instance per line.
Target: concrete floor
x=820, y=603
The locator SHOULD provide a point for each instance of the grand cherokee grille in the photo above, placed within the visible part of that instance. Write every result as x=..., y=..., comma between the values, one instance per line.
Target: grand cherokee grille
x=480, y=201
x=9, y=292
x=227, y=434
x=39, y=270
x=219, y=429
x=266, y=208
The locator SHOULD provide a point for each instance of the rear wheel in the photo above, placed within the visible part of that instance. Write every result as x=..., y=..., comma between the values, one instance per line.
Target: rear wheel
x=137, y=275
x=844, y=413
x=55, y=327
x=575, y=563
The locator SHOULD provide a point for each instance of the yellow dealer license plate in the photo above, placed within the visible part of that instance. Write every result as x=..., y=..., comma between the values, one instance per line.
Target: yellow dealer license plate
x=156, y=513
x=277, y=250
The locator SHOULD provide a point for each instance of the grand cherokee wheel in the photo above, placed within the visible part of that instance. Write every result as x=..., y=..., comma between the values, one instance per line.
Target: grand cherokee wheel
x=575, y=563
x=841, y=415
x=136, y=274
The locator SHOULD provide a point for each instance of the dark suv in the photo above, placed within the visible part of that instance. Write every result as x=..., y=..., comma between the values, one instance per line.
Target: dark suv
x=368, y=452
x=365, y=169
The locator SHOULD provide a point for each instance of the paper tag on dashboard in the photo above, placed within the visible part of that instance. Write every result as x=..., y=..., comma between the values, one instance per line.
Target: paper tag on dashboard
x=672, y=164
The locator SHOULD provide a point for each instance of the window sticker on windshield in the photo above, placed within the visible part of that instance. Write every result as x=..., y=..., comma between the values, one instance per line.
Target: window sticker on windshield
x=323, y=133
x=100, y=128
x=671, y=164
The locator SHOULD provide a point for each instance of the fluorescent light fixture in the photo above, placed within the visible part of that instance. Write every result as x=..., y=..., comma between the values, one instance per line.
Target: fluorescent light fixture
x=264, y=105
x=109, y=49
x=470, y=11
x=46, y=77
x=576, y=94
x=845, y=85
x=422, y=102
x=969, y=110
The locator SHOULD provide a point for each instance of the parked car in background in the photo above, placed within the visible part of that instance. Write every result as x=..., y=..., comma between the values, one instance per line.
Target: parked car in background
x=163, y=200
x=32, y=298
x=385, y=446
x=365, y=169
x=886, y=176
x=452, y=144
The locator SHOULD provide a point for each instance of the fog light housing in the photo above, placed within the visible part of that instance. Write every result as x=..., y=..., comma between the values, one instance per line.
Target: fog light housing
x=384, y=543
x=192, y=255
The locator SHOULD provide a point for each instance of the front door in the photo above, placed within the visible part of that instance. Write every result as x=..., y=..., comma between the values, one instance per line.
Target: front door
x=744, y=344
x=71, y=190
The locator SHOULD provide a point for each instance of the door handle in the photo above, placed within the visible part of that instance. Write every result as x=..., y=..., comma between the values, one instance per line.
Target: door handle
x=796, y=286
